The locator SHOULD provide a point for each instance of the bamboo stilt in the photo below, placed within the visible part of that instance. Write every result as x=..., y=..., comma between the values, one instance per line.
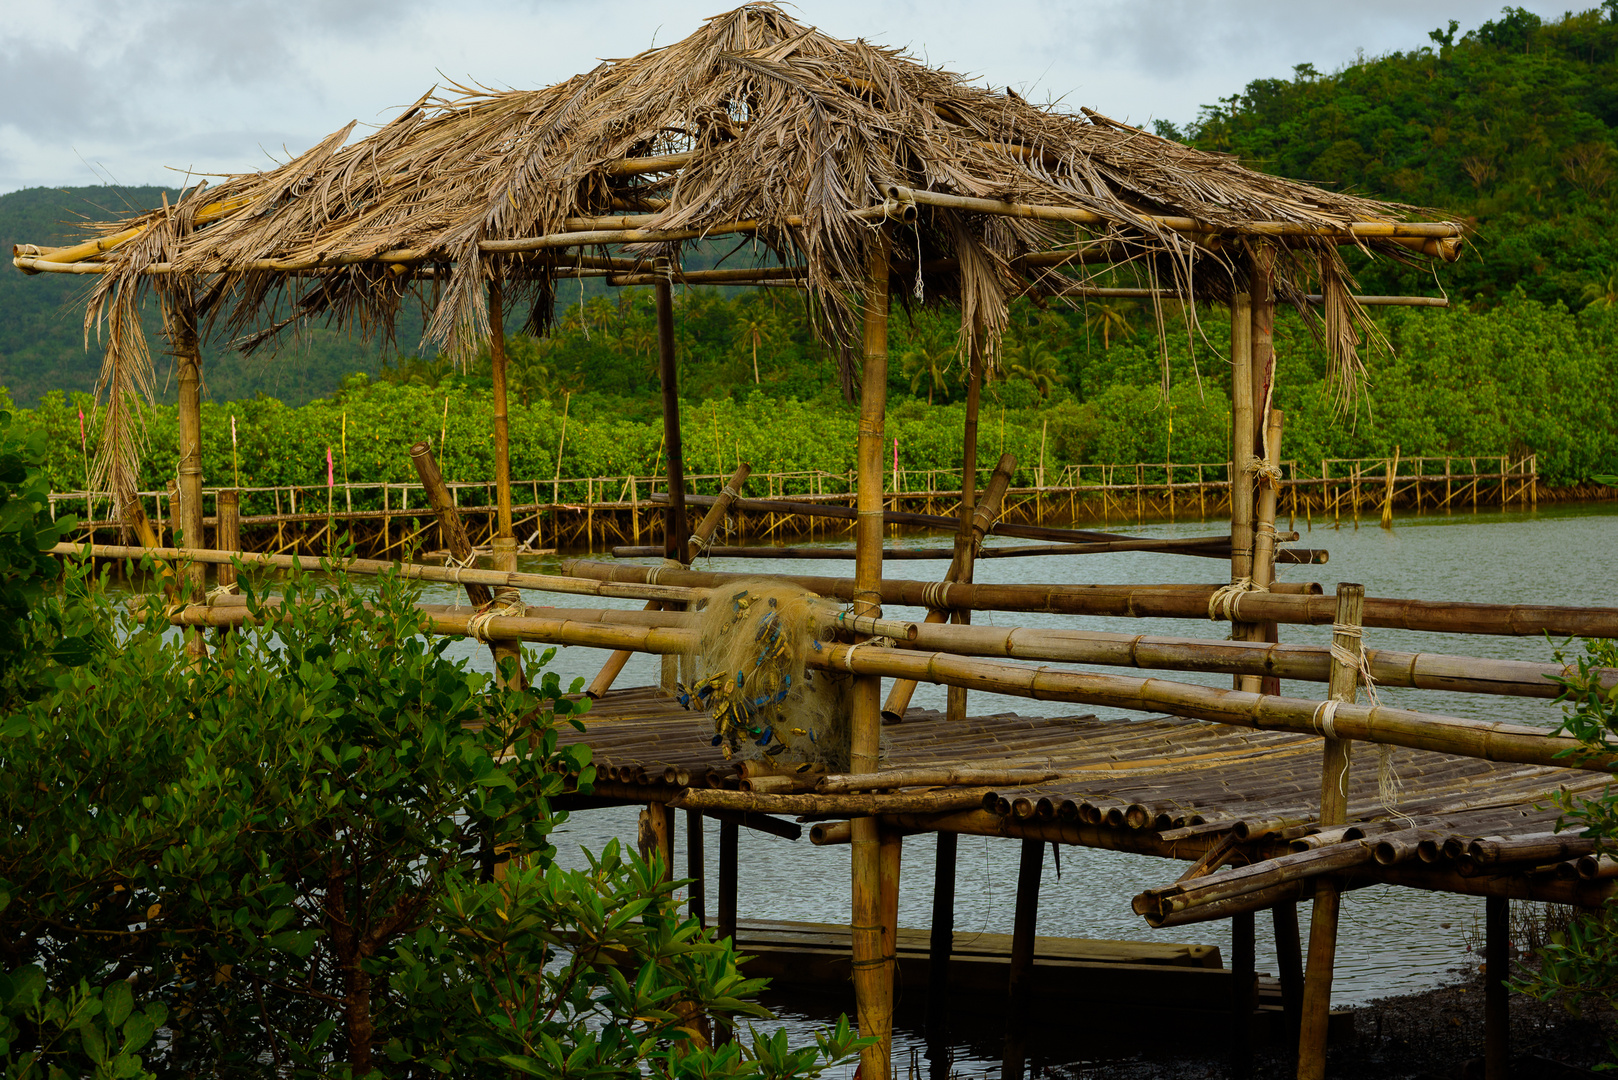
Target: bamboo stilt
x=1289, y=965
x=1029, y=870
x=1346, y=647
x=872, y=966
x=657, y=836
x=940, y=945
x=1496, y=994
x=696, y=868
x=955, y=696
x=507, y=655
x=1264, y=538
x=181, y=327
x=674, y=524
x=1244, y=994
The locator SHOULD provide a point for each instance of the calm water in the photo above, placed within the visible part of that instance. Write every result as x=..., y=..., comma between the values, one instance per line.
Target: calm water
x=1391, y=940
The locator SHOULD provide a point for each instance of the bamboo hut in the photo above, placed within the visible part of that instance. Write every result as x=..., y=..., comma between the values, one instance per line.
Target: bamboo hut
x=854, y=173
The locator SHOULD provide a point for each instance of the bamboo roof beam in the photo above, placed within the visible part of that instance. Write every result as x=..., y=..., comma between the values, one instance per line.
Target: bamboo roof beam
x=1349, y=232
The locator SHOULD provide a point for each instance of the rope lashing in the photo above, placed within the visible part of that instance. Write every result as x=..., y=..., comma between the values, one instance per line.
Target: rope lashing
x=936, y=595
x=508, y=605
x=1222, y=604
x=1264, y=471
x=219, y=591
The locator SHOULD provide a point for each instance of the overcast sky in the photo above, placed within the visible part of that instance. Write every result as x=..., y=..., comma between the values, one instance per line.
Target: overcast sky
x=127, y=91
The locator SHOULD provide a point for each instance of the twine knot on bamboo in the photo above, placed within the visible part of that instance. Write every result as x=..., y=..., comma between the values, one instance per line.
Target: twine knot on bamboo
x=507, y=604
x=936, y=595
x=220, y=591
x=1265, y=471
x=1222, y=604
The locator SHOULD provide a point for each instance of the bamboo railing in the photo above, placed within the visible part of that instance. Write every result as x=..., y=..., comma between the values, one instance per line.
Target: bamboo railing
x=598, y=512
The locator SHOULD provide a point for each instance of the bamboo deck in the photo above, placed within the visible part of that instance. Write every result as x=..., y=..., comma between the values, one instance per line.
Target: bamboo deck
x=1173, y=788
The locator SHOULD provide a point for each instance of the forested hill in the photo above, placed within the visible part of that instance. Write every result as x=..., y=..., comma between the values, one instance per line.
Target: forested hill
x=1512, y=126
x=41, y=317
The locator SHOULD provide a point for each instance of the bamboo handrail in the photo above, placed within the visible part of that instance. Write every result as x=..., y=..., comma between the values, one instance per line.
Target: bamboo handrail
x=1371, y=723
x=1146, y=602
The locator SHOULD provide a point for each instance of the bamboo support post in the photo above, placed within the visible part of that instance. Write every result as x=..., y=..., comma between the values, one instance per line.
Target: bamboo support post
x=181, y=326
x=873, y=969
x=1496, y=993
x=696, y=868
x=507, y=655
x=960, y=570
x=941, y=943
x=1243, y=994
x=966, y=551
x=674, y=521
x=1264, y=538
x=227, y=532
x=1289, y=965
x=1346, y=654
x=657, y=836
x=1030, y=867
x=1241, y=454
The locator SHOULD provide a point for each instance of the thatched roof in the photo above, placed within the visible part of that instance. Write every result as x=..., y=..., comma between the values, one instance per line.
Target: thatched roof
x=808, y=141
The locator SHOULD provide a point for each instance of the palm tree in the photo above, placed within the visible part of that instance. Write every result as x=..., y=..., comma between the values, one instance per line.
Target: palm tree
x=755, y=328
x=1033, y=360
x=928, y=362
x=1602, y=294
x=1109, y=318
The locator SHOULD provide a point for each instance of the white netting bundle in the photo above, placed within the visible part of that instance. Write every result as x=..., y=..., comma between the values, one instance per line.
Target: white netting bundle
x=749, y=674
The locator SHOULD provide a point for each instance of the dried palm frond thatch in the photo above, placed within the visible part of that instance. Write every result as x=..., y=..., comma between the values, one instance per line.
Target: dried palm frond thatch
x=754, y=124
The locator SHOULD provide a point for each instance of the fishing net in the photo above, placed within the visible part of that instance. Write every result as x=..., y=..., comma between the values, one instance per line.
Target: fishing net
x=748, y=673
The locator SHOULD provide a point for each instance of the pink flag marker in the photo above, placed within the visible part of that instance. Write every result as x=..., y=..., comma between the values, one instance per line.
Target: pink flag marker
x=82, y=444
x=331, y=479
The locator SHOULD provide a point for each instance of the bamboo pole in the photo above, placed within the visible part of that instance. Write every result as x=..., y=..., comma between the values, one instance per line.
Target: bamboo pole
x=1030, y=868
x=699, y=541
x=1496, y=992
x=1244, y=995
x=1241, y=455
x=696, y=868
x=816, y=804
x=729, y=873
x=1154, y=602
x=932, y=776
x=1209, y=547
x=940, y=945
x=983, y=516
x=442, y=501
x=656, y=837
x=180, y=324
x=1264, y=529
x=873, y=968
x=674, y=524
x=227, y=533
x=966, y=551
x=507, y=656
x=1317, y=981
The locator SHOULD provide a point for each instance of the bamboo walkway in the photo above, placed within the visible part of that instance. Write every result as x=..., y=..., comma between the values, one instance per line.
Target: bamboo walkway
x=595, y=513
x=1179, y=789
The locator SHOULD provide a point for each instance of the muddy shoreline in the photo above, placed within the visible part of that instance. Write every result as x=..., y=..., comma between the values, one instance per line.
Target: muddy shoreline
x=1433, y=1035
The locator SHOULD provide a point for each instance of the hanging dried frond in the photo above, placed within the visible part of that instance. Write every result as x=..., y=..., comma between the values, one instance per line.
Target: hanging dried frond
x=753, y=119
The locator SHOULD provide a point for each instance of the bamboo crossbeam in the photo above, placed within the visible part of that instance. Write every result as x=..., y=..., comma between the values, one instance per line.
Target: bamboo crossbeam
x=929, y=776
x=734, y=276
x=759, y=551
x=1147, y=602
x=1371, y=723
x=1348, y=232
x=1157, y=904
x=1213, y=547
x=819, y=804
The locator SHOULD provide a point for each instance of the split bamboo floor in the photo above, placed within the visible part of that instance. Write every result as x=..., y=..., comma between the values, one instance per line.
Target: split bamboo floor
x=1181, y=789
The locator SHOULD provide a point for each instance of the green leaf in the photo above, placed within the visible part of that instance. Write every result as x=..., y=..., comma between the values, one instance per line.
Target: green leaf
x=119, y=1002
